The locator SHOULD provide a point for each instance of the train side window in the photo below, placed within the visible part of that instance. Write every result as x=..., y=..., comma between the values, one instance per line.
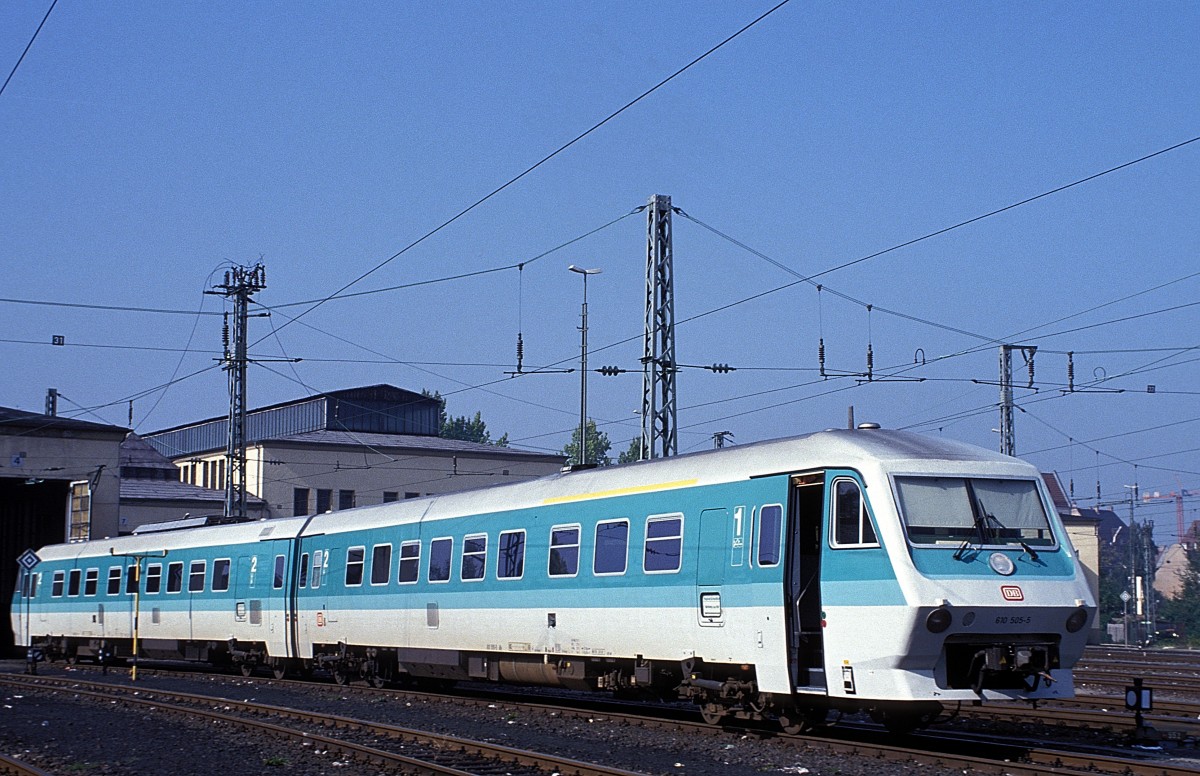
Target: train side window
x=381, y=564
x=56, y=586
x=318, y=559
x=154, y=578
x=474, y=557
x=304, y=570
x=612, y=548
x=31, y=585
x=114, y=580
x=91, y=581
x=221, y=575
x=564, y=551
x=510, y=563
x=196, y=576
x=440, y=553
x=132, y=577
x=770, y=528
x=175, y=577
x=851, y=524
x=73, y=582
x=664, y=544
x=410, y=562
x=355, y=558
x=280, y=565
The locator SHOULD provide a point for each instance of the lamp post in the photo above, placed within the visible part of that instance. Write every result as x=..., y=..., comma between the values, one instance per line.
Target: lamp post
x=583, y=365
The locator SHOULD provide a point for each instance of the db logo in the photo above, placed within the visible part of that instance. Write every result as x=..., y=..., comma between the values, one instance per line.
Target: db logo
x=321, y=617
x=1011, y=593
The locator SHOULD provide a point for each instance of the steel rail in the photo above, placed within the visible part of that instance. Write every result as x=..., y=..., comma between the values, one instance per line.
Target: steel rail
x=1006, y=760
x=12, y=765
x=444, y=744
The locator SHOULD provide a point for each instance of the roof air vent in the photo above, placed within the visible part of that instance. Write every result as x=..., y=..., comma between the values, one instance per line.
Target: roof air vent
x=868, y=426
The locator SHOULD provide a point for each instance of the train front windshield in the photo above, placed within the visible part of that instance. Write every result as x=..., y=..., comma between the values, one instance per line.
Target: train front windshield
x=991, y=512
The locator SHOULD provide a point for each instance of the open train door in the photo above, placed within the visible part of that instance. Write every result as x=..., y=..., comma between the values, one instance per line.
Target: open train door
x=806, y=518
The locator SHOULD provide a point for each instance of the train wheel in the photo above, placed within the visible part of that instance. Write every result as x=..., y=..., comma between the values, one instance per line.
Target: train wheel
x=279, y=670
x=341, y=676
x=712, y=713
x=247, y=669
x=797, y=721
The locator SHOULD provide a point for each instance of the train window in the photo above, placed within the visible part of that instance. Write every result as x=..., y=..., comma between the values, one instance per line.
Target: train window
x=277, y=579
x=355, y=558
x=304, y=570
x=73, y=581
x=770, y=529
x=381, y=564
x=851, y=523
x=318, y=559
x=511, y=560
x=664, y=544
x=154, y=578
x=91, y=581
x=56, y=586
x=612, y=547
x=952, y=510
x=564, y=551
x=221, y=575
x=440, y=552
x=474, y=557
x=31, y=585
x=131, y=579
x=410, y=562
x=174, y=577
x=196, y=576
x=114, y=580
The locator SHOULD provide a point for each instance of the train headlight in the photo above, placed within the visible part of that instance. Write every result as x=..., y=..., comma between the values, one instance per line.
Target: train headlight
x=938, y=620
x=1077, y=620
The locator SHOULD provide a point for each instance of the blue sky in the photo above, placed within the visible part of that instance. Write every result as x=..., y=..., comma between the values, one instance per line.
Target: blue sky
x=148, y=145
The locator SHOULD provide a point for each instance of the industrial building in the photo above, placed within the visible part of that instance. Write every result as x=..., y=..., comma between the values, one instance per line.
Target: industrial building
x=343, y=449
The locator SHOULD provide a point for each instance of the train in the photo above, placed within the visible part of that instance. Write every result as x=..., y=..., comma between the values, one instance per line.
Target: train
x=842, y=571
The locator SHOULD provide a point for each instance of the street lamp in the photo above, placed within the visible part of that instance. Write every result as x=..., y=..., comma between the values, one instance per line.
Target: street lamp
x=583, y=365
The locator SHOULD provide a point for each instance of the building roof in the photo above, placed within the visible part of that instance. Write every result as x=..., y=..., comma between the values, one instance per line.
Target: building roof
x=1057, y=494
x=12, y=419
x=173, y=490
x=136, y=452
x=382, y=409
x=410, y=442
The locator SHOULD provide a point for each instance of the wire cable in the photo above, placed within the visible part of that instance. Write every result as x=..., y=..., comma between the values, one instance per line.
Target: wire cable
x=545, y=159
x=28, y=46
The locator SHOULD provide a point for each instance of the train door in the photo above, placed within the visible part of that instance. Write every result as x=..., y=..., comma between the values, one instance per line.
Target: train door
x=278, y=643
x=806, y=518
x=710, y=565
x=247, y=603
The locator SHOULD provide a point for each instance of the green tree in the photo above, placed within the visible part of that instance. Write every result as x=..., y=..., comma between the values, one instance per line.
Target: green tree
x=462, y=427
x=598, y=446
x=1184, y=609
x=634, y=453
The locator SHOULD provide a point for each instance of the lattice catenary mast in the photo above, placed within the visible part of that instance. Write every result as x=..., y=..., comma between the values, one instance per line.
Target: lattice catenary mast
x=240, y=285
x=658, y=352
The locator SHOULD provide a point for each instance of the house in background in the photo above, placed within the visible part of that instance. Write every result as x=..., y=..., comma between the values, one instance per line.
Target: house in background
x=1083, y=529
x=343, y=449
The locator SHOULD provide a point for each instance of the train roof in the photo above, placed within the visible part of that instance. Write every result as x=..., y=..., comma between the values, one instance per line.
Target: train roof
x=834, y=448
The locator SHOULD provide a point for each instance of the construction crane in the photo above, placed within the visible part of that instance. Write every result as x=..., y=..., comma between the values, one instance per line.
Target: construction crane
x=1177, y=496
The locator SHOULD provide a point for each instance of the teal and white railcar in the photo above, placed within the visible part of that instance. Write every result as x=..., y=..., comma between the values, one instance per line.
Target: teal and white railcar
x=842, y=570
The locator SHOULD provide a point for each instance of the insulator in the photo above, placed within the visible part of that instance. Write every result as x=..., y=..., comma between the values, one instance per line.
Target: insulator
x=1030, y=369
x=520, y=351
x=870, y=361
x=226, y=277
x=1070, y=370
x=225, y=333
x=821, y=352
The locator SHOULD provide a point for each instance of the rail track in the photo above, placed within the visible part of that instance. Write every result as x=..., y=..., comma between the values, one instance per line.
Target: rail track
x=424, y=752
x=15, y=767
x=985, y=754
